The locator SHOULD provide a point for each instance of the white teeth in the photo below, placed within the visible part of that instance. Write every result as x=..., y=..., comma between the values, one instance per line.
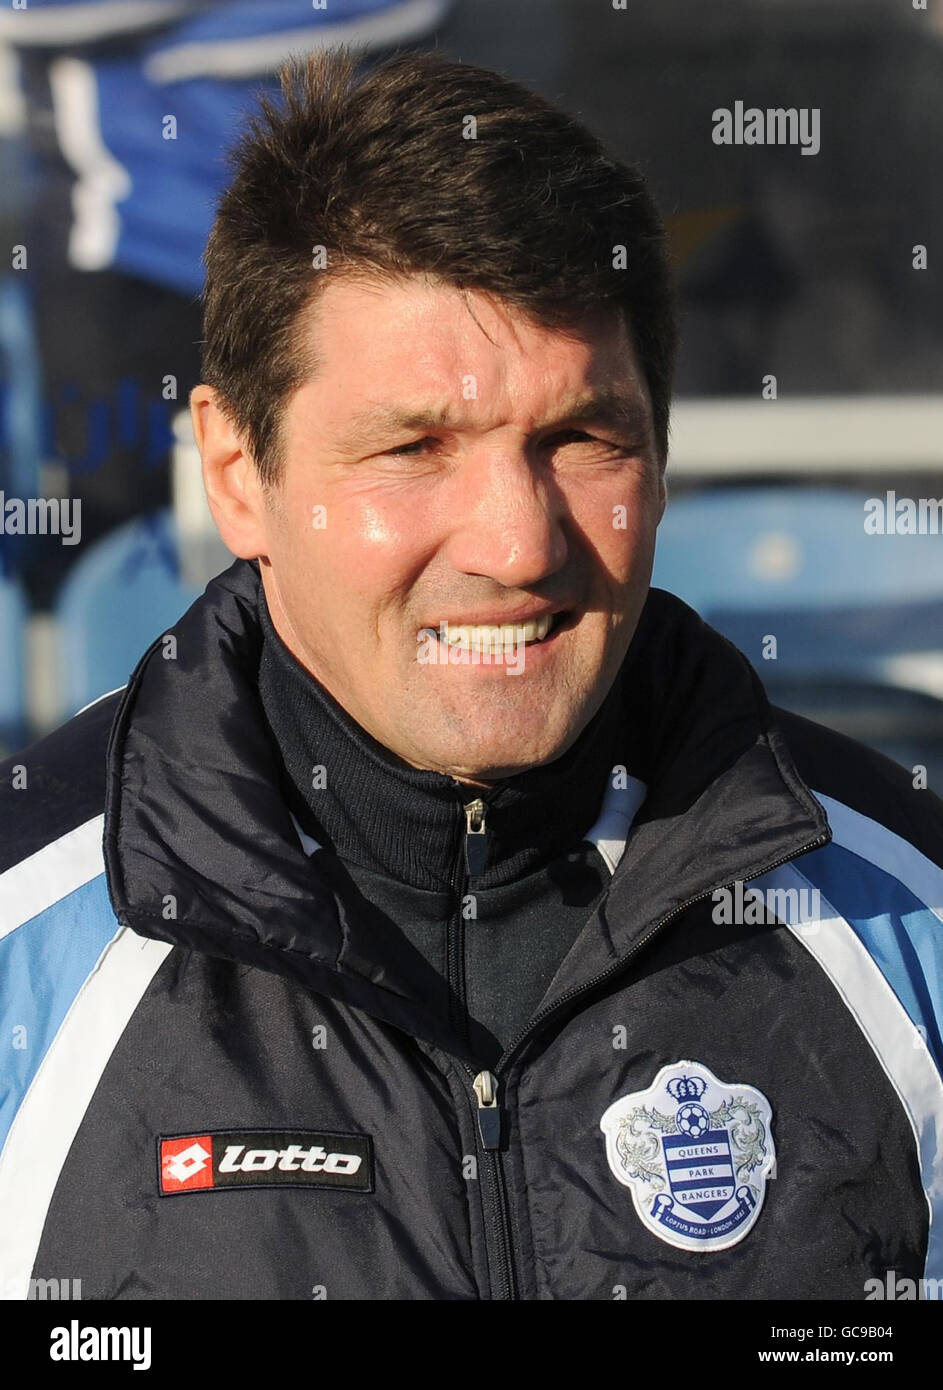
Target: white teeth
x=495, y=639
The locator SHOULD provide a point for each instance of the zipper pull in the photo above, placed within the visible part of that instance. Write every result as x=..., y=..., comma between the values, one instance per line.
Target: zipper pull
x=476, y=845
x=485, y=1087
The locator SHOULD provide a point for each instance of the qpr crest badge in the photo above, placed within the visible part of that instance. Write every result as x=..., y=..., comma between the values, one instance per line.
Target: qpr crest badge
x=696, y=1153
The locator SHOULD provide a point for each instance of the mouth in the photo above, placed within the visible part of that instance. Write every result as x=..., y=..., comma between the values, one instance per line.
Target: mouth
x=495, y=638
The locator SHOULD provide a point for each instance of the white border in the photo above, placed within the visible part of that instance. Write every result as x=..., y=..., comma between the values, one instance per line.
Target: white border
x=49, y=875
x=257, y=53
x=619, y=808
x=887, y=851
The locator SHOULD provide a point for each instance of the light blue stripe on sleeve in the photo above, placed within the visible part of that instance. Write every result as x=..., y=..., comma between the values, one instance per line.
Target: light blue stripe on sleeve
x=43, y=966
x=902, y=935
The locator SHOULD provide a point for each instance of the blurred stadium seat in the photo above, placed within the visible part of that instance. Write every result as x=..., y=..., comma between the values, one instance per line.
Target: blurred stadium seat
x=13, y=665
x=122, y=594
x=20, y=383
x=757, y=548
x=857, y=618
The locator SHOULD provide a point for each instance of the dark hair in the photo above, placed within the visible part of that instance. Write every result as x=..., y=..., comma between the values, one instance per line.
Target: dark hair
x=375, y=168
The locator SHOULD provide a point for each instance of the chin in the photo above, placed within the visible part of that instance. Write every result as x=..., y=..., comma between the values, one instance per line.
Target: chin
x=496, y=761
x=492, y=744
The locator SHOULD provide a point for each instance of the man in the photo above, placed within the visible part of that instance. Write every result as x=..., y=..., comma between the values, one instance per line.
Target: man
x=469, y=926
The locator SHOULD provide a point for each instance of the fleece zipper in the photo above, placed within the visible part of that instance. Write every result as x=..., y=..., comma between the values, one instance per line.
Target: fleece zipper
x=470, y=860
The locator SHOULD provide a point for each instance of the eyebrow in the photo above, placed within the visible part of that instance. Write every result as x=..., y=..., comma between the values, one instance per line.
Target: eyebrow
x=611, y=408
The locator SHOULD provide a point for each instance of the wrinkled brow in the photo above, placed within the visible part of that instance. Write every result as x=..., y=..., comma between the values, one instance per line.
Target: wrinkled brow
x=628, y=414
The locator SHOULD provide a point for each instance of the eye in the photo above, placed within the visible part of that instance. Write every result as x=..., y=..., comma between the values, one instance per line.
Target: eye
x=564, y=437
x=407, y=450
x=570, y=437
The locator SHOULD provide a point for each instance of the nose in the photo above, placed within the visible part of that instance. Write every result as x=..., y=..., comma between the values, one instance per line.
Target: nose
x=508, y=522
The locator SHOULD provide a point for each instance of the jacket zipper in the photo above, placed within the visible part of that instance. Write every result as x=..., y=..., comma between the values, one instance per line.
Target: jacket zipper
x=485, y=1086
x=471, y=862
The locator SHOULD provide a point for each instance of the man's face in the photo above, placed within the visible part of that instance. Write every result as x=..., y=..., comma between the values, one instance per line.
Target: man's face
x=443, y=466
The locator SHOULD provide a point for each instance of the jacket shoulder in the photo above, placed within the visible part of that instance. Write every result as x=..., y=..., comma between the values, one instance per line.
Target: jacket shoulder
x=57, y=927
x=56, y=784
x=868, y=907
x=844, y=773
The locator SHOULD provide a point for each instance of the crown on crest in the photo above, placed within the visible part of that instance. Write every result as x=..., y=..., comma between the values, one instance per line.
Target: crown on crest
x=682, y=1088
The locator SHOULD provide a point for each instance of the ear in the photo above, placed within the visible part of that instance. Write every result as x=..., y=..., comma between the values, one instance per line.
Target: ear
x=662, y=489
x=230, y=477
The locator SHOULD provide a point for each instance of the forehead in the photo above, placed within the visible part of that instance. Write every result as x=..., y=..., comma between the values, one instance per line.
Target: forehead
x=371, y=337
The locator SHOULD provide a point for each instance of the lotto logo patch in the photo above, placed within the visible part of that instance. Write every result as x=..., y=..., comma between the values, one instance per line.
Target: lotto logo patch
x=186, y=1164
x=263, y=1158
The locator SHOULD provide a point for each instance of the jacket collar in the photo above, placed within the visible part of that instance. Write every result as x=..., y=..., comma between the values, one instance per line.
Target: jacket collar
x=201, y=849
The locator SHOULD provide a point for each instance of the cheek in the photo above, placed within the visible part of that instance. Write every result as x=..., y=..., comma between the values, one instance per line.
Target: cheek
x=364, y=550
x=378, y=532
x=619, y=523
